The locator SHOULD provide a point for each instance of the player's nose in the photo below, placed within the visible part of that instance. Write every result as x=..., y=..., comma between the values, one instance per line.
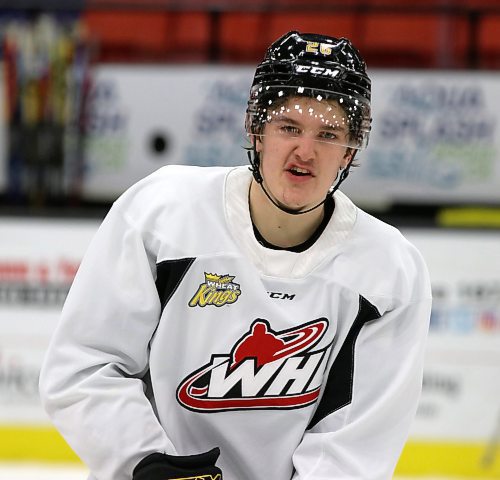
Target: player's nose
x=305, y=148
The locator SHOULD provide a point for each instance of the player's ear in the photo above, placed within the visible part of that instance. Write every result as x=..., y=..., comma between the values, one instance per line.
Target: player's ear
x=258, y=143
x=348, y=157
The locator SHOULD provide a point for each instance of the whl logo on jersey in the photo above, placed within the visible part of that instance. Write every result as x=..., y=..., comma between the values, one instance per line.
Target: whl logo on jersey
x=265, y=369
x=217, y=290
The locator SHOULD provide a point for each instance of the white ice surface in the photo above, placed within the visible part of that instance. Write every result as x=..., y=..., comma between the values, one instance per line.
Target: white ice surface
x=44, y=471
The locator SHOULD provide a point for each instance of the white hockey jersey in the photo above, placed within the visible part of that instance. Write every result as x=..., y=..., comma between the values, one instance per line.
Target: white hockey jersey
x=182, y=332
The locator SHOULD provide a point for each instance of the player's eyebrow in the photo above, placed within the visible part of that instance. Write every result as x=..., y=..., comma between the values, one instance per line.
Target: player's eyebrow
x=336, y=128
x=284, y=118
x=287, y=119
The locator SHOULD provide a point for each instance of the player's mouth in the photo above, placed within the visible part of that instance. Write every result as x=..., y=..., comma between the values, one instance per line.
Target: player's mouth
x=299, y=172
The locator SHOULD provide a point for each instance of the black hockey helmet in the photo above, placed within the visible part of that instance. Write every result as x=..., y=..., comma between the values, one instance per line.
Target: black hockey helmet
x=315, y=66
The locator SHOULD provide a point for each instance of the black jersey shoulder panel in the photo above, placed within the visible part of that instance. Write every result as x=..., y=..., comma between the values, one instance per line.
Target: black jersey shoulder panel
x=169, y=275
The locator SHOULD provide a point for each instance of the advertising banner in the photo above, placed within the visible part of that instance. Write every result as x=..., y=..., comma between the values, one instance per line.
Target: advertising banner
x=3, y=131
x=144, y=118
x=435, y=138
x=456, y=431
x=38, y=261
x=435, y=135
x=461, y=389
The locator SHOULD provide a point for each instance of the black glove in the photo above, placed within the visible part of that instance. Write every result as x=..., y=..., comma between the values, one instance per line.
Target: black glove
x=159, y=466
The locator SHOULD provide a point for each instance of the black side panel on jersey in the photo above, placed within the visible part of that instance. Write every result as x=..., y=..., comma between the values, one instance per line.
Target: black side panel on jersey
x=169, y=275
x=338, y=389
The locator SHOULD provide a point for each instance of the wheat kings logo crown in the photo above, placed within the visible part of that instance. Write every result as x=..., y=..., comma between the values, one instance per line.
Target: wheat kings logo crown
x=264, y=370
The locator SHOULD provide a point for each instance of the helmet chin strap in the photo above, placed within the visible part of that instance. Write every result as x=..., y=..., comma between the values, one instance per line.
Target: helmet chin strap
x=254, y=168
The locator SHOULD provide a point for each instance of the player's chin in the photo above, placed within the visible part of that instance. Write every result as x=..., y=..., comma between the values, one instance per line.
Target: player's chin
x=301, y=198
x=300, y=205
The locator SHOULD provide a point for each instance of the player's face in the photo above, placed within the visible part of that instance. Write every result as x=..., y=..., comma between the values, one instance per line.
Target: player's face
x=301, y=149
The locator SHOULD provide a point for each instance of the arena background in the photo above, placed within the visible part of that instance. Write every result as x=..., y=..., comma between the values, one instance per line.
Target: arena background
x=98, y=94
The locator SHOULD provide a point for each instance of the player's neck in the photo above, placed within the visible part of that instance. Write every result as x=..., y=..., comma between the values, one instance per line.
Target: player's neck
x=280, y=228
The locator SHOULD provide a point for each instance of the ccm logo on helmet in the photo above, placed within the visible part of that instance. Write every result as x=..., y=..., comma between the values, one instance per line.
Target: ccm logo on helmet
x=326, y=72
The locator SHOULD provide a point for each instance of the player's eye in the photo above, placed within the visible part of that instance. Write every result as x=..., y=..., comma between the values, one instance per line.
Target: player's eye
x=291, y=130
x=327, y=135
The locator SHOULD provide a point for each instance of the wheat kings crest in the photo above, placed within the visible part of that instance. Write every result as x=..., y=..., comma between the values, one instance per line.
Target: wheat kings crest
x=216, y=290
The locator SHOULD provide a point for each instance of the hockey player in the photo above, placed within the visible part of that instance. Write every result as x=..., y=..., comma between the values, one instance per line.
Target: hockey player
x=251, y=324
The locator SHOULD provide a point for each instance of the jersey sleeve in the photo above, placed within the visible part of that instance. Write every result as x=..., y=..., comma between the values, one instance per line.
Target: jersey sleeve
x=363, y=438
x=91, y=379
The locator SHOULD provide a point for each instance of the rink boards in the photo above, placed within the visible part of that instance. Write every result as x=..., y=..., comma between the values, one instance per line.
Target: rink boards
x=457, y=428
